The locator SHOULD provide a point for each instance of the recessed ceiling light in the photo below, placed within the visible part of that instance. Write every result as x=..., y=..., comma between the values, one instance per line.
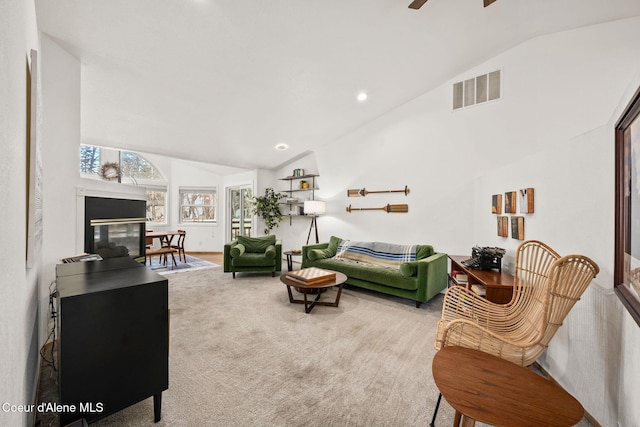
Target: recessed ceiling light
x=281, y=146
x=362, y=96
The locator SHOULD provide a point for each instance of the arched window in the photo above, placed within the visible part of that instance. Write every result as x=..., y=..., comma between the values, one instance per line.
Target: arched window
x=135, y=166
x=134, y=169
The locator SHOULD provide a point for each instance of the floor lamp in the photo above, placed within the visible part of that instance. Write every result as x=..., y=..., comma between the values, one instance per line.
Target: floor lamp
x=313, y=208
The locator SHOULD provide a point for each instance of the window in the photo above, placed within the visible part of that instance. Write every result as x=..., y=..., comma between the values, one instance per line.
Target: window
x=89, y=159
x=626, y=273
x=198, y=205
x=157, y=205
x=132, y=165
x=134, y=169
x=137, y=167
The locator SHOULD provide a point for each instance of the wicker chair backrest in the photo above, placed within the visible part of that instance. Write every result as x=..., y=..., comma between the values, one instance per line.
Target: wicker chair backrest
x=546, y=288
x=569, y=278
x=530, y=301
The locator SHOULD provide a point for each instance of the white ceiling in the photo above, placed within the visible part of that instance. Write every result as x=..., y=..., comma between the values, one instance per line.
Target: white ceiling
x=224, y=81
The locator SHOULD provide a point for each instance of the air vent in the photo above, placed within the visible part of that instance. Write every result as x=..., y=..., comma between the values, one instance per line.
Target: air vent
x=476, y=90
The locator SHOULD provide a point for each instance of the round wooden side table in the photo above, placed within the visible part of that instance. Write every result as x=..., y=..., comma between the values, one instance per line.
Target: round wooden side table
x=289, y=255
x=482, y=387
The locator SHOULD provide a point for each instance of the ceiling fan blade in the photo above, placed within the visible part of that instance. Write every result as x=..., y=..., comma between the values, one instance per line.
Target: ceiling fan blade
x=417, y=4
x=488, y=2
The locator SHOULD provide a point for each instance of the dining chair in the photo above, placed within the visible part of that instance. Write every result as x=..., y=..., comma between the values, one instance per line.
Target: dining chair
x=162, y=253
x=179, y=245
x=148, y=242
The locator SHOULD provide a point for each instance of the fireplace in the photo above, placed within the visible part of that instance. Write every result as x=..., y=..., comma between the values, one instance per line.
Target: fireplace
x=114, y=227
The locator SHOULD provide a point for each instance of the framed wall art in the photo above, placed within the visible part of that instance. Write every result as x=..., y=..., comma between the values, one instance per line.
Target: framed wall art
x=34, y=173
x=510, y=202
x=503, y=226
x=626, y=274
x=517, y=227
x=526, y=200
x=496, y=204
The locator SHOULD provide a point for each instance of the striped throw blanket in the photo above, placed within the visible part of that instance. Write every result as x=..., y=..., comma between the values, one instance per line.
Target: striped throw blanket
x=376, y=253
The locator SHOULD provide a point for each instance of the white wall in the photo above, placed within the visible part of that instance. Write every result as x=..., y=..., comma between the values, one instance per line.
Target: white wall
x=553, y=131
x=417, y=145
x=571, y=168
x=200, y=237
x=189, y=174
x=19, y=302
x=61, y=156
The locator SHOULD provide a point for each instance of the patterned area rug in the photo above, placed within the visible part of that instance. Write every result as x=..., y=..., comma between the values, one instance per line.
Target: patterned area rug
x=192, y=264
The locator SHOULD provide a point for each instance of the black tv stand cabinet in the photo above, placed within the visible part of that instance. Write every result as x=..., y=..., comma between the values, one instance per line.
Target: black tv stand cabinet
x=113, y=337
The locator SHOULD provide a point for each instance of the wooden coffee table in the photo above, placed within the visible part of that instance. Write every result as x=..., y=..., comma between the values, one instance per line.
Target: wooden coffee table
x=314, y=288
x=482, y=387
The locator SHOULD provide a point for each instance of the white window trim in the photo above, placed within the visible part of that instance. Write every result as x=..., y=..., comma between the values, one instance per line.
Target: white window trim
x=202, y=190
x=167, y=203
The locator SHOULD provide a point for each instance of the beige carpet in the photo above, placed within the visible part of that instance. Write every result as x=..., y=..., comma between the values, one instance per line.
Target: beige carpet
x=242, y=355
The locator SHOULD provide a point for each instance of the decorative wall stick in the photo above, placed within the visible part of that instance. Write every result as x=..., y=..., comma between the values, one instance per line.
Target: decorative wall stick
x=496, y=204
x=517, y=227
x=364, y=192
x=526, y=200
x=510, y=202
x=388, y=209
x=503, y=226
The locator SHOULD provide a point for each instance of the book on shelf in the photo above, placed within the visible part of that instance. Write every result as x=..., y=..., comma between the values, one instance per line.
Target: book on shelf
x=479, y=290
x=460, y=277
x=311, y=275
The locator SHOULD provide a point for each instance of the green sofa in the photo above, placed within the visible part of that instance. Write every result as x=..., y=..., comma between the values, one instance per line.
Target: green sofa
x=253, y=254
x=418, y=280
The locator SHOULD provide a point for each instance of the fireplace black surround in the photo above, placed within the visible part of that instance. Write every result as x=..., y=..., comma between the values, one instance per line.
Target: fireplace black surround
x=114, y=227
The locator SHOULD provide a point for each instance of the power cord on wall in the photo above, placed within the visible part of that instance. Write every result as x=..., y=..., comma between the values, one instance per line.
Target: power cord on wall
x=53, y=293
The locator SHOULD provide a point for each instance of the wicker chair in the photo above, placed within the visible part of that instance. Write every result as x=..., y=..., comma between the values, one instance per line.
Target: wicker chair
x=545, y=289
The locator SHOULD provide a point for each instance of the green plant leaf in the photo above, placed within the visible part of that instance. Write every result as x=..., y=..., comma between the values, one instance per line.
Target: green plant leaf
x=267, y=207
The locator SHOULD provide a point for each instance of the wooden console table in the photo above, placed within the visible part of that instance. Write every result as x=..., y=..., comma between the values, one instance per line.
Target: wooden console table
x=483, y=387
x=498, y=285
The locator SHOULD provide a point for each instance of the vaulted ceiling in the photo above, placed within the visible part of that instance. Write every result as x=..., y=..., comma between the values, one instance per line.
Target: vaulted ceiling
x=224, y=81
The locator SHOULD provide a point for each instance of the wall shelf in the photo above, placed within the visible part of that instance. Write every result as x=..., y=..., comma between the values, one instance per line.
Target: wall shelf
x=291, y=191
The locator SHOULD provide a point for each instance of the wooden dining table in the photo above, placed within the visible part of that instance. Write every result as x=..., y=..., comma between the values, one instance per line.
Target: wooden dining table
x=165, y=237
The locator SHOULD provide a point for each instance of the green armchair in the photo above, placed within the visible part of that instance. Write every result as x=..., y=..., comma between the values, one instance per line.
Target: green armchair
x=253, y=254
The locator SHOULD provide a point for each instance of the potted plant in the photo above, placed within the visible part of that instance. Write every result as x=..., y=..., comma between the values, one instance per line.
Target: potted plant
x=267, y=207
